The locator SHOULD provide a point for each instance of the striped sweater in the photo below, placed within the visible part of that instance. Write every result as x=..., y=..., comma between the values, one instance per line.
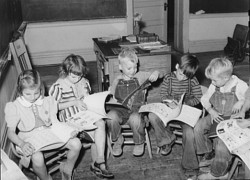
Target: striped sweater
x=63, y=91
x=172, y=88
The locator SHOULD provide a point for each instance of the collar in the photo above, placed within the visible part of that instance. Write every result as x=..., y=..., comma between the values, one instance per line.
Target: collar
x=26, y=103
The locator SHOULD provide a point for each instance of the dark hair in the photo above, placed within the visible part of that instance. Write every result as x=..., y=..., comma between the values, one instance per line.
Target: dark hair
x=29, y=79
x=73, y=64
x=189, y=65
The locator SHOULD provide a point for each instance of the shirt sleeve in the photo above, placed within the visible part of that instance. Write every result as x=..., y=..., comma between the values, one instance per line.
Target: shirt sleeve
x=11, y=115
x=241, y=89
x=196, y=93
x=55, y=91
x=53, y=109
x=165, y=88
x=206, y=97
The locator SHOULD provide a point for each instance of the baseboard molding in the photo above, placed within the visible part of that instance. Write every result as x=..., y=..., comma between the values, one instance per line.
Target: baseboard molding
x=56, y=57
x=207, y=45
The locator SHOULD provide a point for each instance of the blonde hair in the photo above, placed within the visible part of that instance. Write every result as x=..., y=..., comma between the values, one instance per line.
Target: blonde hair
x=29, y=79
x=129, y=54
x=220, y=67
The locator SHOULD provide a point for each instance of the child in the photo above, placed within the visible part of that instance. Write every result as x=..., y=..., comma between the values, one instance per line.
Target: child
x=68, y=90
x=174, y=85
x=241, y=115
x=122, y=86
x=31, y=112
x=224, y=97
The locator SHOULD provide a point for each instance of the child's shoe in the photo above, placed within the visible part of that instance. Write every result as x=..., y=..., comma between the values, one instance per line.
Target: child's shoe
x=138, y=149
x=166, y=149
x=207, y=159
x=101, y=172
x=117, y=148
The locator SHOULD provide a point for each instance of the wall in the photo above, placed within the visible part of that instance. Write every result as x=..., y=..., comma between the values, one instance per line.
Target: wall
x=209, y=32
x=49, y=43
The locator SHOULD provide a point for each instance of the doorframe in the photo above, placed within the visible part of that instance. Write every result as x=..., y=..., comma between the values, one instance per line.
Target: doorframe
x=181, y=27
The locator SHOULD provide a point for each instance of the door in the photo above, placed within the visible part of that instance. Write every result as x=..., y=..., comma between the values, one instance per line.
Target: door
x=154, y=15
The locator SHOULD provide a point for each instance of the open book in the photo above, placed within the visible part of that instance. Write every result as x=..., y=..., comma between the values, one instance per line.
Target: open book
x=52, y=137
x=96, y=110
x=182, y=112
x=235, y=138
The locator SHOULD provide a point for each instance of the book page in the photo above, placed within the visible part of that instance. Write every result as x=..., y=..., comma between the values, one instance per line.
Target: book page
x=96, y=102
x=164, y=112
x=189, y=115
x=235, y=138
x=52, y=137
x=84, y=120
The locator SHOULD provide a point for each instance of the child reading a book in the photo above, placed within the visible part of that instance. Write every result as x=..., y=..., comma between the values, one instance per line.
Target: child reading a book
x=69, y=90
x=32, y=113
x=224, y=97
x=121, y=87
x=242, y=122
x=174, y=85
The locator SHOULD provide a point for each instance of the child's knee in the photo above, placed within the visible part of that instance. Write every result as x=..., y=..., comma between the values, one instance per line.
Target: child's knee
x=136, y=120
x=38, y=159
x=100, y=124
x=152, y=117
x=75, y=144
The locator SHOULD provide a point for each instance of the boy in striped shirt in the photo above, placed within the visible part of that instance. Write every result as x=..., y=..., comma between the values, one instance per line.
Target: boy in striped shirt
x=180, y=81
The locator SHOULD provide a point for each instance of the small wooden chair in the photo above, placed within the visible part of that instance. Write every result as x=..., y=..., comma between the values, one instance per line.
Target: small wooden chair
x=20, y=55
x=52, y=159
x=235, y=49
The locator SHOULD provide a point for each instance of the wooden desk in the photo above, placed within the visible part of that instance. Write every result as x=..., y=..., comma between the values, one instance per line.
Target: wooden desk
x=107, y=64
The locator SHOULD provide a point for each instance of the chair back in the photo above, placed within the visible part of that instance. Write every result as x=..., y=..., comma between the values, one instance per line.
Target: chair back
x=241, y=33
x=20, y=55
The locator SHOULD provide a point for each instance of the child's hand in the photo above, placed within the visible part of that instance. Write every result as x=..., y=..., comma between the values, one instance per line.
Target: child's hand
x=154, y=76
x=171, y=103
x=215, y=116
x=80, y=104
x=243, y=123
x=240, y=115
x=74, y=134
x=237, y=106
x=27, y=148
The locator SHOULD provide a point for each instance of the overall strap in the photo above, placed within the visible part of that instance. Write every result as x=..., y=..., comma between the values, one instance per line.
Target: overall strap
x=189, y=86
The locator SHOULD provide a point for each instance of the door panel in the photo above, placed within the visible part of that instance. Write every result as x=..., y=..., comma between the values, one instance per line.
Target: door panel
x=154, y=14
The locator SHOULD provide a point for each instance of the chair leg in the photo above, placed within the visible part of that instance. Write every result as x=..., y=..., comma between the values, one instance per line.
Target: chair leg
x=233, y=168
x=148, y=144
x=109, y=150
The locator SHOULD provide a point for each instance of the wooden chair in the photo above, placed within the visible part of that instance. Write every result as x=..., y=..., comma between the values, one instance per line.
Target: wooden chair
x=236, y=45
x=20, y=55
x=52, y=159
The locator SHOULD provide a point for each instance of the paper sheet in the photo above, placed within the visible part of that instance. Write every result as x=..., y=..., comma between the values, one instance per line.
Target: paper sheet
x=235, y=138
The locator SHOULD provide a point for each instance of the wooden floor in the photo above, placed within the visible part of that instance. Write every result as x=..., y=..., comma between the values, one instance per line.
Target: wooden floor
x=129, y=167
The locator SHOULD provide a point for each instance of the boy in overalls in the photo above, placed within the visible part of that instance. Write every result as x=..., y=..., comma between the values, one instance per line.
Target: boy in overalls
x=121, y=87
x=224, y=97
